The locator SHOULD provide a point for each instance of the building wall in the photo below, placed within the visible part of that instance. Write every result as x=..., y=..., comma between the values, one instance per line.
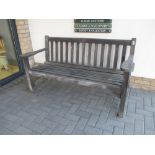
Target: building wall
x=24, y=37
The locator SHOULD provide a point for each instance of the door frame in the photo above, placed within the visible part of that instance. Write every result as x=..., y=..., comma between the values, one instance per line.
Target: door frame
x=12, y=25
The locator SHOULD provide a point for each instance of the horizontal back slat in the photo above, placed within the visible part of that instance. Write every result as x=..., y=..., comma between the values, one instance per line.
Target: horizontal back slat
x=104, y=53
x=93, y=40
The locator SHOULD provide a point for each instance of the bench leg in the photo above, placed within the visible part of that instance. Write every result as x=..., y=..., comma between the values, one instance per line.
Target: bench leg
x=123, y=95
x=26, y=66
x=122, y=104
x=30, y=82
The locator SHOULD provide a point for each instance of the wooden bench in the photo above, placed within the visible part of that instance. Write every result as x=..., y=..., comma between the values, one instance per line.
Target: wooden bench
x=103, y=61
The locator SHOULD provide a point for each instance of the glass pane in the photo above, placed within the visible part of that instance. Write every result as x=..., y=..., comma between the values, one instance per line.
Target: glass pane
x=8, y=60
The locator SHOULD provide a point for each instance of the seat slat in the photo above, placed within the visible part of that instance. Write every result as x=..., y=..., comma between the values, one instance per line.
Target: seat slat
x=92, y=74
x=116, y=76
x=98, y=69
x=81, y=74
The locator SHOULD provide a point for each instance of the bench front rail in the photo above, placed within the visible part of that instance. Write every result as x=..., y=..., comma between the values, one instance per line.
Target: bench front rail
x=99, y=60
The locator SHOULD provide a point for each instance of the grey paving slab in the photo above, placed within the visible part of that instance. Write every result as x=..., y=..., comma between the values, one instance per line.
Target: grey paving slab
x=149, y=123
x=58, y=107
x=70, y=127
x=82, y=123
x=118, y=131
x=92, y=130
x=93, y=119
x=139, y=127
x=23, y=131
x=129, y=129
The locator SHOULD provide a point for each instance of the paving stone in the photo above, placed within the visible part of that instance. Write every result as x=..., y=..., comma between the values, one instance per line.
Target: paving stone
x=93, y=119
x=35, y=127
x=41, y=117
x=149, y=108
x=147, y=101
x=104, y=115
x=81, y=123
x=23, y=131
x=150, y=132
x=131, y=107
x=136, y=115
x=82, y=113
x=73, y=108
x=49, y=124
x=47, y=131
x=83, y=106
x=44, y=108
x=10, y=117
x=53, y=114
x=143, y=112
x=139, y=105
x=116, y=123
x=93, y=103
x=78, y=132
x=59, y=130
x=129, y=129
x=153, y=99
x=9, y=124
x=93, y=131
x=64, y=121
x=66, y=104
x=103, y=125
x=70, y=127
x=139, y=127
x=72, y=117
x=5, y=131
x=25, y=115
x=118, y=131
x=126, y=119
x=62, y=112
x=149, y=123
x=106, y=132
x=55, y=118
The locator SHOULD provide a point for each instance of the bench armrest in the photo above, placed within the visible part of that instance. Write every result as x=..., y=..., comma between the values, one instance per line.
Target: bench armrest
x=29, y=54
x=128, y=65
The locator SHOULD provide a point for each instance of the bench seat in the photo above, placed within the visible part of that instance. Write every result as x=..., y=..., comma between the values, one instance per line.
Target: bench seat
x=98, y=75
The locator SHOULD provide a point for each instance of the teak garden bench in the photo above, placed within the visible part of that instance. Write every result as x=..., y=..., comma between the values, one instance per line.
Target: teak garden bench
x=103, y=61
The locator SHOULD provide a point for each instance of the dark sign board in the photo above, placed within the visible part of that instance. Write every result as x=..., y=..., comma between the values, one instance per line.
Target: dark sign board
x=93, y=25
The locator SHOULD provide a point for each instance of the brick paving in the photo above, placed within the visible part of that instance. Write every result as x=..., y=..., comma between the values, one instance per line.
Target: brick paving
x=57, y=107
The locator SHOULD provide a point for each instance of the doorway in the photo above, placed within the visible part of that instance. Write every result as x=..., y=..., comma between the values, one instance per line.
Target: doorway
x=11, y=66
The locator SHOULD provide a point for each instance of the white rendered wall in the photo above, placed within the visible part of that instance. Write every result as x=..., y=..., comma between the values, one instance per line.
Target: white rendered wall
x=143, y=30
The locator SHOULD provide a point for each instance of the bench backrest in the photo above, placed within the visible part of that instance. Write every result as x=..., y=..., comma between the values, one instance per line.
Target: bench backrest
x=106, y=53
